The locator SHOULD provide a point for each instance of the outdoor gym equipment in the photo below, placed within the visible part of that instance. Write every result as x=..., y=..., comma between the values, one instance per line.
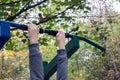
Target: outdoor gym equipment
x=5, y=33
x=49, y=68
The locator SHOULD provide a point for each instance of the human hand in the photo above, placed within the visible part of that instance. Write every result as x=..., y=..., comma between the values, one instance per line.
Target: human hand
x=33, y=32
x=60, y=39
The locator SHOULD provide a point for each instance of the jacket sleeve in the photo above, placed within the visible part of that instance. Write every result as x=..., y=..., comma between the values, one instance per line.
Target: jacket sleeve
x=62, y=65
x=35, y=62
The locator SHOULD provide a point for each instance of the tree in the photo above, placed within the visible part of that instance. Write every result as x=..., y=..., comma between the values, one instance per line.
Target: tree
x=97, y=22
x=55, y=13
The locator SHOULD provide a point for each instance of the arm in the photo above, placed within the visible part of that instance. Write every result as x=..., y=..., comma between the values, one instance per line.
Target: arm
x=62, y=62
x=35, y=62
x=35, y=58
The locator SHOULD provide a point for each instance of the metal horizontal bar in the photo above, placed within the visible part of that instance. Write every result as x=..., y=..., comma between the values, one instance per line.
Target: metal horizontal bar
x=92, y=43
x=24, y=27
x=4, y=34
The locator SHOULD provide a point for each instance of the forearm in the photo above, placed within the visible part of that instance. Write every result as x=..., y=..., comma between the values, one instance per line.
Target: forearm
x=35, y=61
x=62, y=62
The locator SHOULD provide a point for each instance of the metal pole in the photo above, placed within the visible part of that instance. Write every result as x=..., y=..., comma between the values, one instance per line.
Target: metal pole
x=53, y=33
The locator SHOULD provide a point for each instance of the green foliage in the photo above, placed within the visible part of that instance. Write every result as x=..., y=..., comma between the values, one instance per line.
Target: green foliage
x=87, y=63
x=10, y=7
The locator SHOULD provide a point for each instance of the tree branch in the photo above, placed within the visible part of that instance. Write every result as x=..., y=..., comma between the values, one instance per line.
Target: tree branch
x=24, y=9
x=55, y=16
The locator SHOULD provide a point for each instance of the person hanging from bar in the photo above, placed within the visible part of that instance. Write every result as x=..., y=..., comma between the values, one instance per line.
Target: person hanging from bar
x=35, y=56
